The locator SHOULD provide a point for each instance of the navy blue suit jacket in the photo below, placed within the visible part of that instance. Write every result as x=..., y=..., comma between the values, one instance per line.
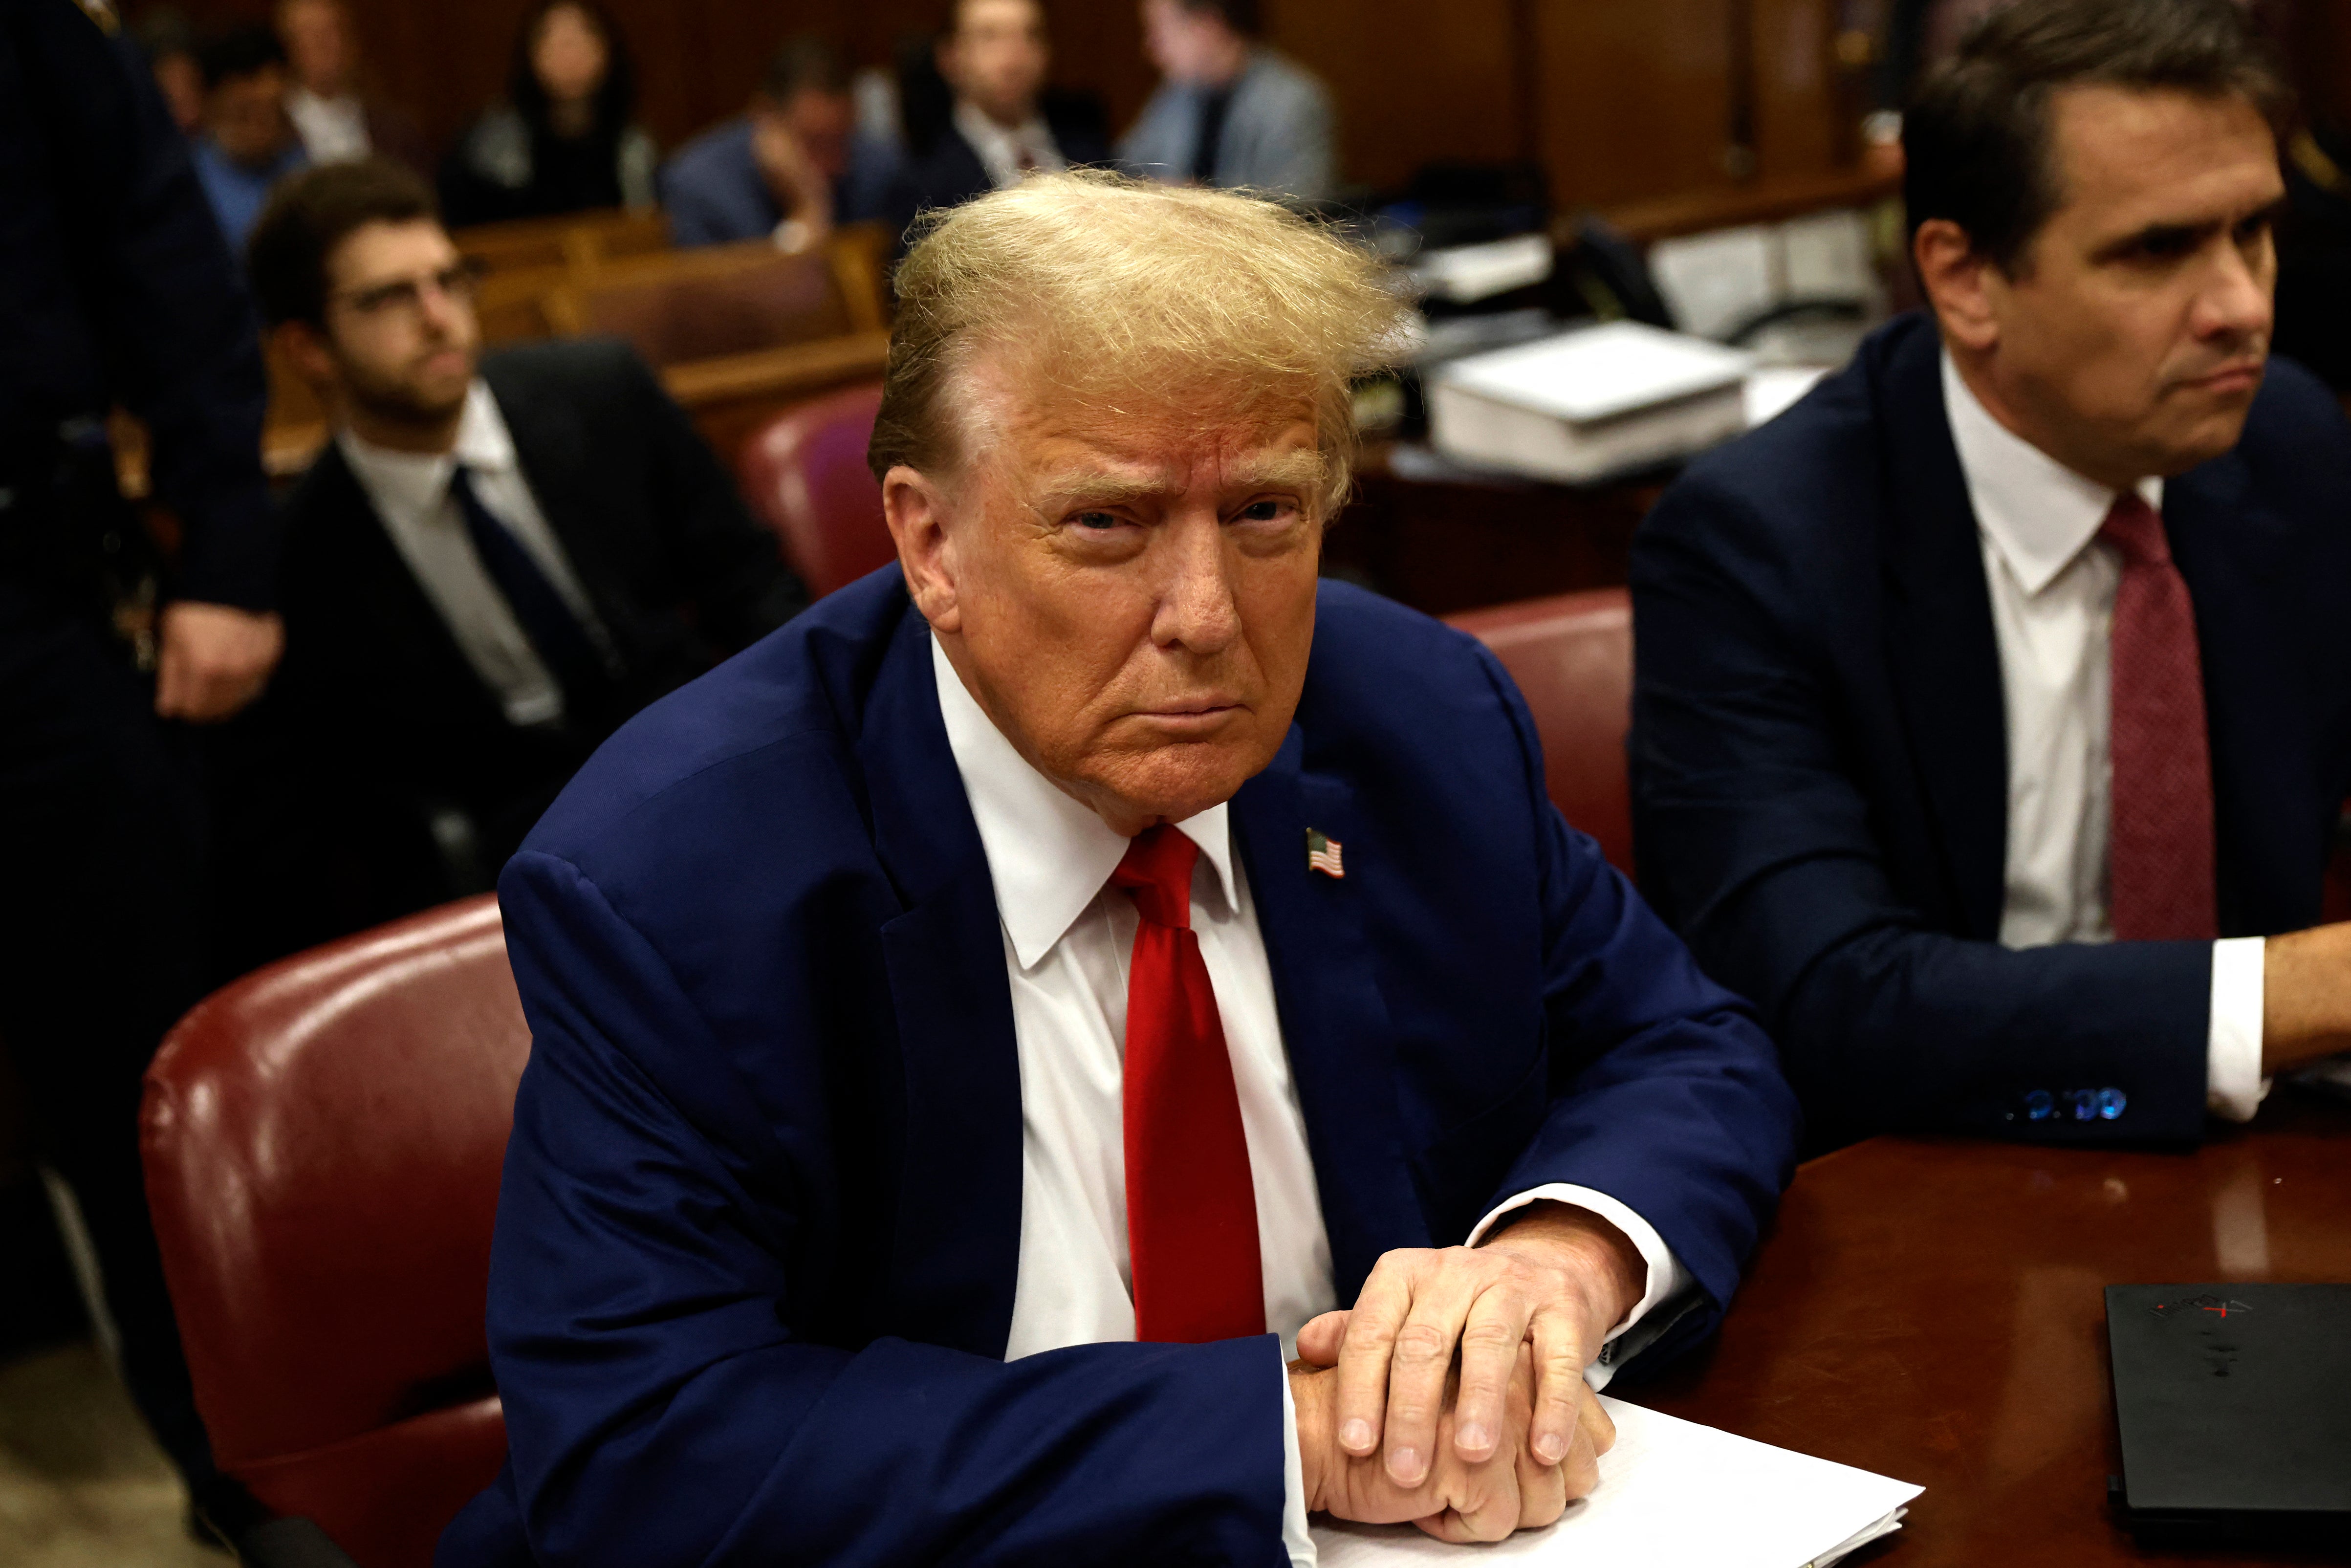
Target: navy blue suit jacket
x=1820, y=764
x=758, y=1237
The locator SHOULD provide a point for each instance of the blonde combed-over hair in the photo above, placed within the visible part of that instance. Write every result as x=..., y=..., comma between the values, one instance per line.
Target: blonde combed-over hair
x=1114, y=295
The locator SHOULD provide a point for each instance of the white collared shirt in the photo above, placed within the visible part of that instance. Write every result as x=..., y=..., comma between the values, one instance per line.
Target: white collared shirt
x=999, y=148
x=2053, y=604
x=333, y=129
x=412, y=497
x=1068, y=936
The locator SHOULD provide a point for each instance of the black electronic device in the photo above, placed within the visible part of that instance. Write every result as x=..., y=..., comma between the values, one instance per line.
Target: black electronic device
x=2234, y=1403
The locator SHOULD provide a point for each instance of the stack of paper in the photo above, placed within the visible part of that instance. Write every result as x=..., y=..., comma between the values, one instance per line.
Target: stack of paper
x=1588, y=404
x=1721, y=283
x=1466, y=273
x=1672, y=1494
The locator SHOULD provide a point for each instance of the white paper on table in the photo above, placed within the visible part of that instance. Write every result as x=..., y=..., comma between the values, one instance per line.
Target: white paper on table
x=1672, y=1494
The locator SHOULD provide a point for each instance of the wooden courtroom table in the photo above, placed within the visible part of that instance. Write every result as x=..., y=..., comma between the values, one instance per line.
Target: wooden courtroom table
x=1930, y=1309
x=1446, y=545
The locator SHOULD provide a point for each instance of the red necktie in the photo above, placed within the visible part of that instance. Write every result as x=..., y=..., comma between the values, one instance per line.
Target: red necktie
x=1191, y=1206
x=2160, y=865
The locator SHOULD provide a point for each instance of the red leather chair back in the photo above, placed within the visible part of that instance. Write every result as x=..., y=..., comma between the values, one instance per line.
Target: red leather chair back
x=322, y=1141
x=1573, y=658
x=806, y=475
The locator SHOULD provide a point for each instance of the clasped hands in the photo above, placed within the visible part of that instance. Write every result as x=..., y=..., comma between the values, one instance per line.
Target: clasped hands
x=1452, y=1394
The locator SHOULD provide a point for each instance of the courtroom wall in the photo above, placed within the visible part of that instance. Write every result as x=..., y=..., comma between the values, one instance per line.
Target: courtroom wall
x=1620, y=100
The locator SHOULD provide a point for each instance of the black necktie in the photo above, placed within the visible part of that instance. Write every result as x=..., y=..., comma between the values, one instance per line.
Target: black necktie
x=554, y=630
x=1204, y=152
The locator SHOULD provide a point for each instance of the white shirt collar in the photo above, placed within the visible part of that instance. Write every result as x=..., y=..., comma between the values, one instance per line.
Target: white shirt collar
x=999, y=147
x=2038, y=513
x=417, y=481
x=1048, y=855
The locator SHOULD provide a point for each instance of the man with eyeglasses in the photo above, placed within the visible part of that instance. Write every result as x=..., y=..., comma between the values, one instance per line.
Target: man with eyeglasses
x=493, y=564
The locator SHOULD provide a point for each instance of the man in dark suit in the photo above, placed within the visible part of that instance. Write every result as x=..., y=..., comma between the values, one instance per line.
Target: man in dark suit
x=1006, y=124
x=1992, y=719
x=975, y=1032
x=488, y=568
x=791, y=169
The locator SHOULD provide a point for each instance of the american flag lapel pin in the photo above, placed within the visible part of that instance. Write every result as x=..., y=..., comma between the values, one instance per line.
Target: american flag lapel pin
x=1322, y=853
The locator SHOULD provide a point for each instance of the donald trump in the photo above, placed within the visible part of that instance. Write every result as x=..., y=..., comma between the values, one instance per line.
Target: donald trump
x=982, y=1033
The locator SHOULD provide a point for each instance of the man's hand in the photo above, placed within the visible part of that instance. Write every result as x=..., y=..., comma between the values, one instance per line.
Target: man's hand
x=214, y=660
x=2305, y=997
x=799, y=187
x=1456, y=1501
x=1556, y=1280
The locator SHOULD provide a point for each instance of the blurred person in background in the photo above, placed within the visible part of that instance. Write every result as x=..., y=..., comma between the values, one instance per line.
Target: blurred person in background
x=564, y=140
x=493, y=564
x=168, y=42
x=1231, y=112
x=336, y=121
x=115, y=287
x=994, y=54
x=792, y=167
x=2314, y=287
x=248, y=142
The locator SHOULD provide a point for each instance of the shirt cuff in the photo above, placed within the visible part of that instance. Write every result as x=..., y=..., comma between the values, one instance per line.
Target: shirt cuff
x=1667, y=1279
x=2233, y=1085
x=1295, y=1536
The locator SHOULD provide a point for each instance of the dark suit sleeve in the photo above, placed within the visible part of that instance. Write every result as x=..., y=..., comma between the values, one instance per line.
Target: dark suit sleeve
x=1758, y=841
x=730, y=568
x=1665, y=1093
x=181, y=341
x=660, y=1410
x=694, y=218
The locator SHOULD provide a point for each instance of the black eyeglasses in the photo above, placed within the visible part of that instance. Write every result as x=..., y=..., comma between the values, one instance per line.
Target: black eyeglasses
x=406, y=295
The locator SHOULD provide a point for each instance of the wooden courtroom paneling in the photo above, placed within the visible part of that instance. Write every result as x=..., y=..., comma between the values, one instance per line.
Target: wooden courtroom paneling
x=1635, y=96
x=1622, y=99
x=1414, y=85
x=699, y=61
x=1795, y=84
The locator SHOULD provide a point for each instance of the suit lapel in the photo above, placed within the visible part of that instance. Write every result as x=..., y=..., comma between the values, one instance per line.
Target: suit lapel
x=551, y=449
x=1333, y=1023
x=393, y=621
x=956, y=1248
x=2231, y=551
x=1940, y=645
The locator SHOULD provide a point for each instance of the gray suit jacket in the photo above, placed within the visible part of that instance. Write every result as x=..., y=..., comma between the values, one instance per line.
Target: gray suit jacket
x=1279, y=133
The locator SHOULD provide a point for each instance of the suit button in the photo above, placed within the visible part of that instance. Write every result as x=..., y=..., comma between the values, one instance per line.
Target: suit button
x=2040, y=1105
x=2112, y=1102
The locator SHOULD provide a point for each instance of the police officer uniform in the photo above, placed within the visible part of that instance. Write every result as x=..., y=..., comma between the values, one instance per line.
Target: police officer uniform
x=115, y=287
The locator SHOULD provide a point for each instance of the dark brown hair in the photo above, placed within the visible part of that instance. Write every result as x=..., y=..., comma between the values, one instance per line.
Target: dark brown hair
x=1240, y=15
x=805, y=64
x=1977, y=139
x=312, y=214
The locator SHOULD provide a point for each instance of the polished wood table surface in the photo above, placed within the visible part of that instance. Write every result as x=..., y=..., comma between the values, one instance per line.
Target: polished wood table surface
x=1931, y=1310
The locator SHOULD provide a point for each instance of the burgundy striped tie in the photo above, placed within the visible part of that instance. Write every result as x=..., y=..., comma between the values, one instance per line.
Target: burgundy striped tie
x=2162, y=863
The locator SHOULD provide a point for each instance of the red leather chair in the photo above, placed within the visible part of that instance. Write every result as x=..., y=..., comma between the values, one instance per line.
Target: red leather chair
x=322, y=1143
x=806, y=475
x=1573, y=657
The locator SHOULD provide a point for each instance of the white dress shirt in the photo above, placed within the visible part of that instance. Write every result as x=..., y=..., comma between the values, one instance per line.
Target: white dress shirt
x=333, y=129
x=1068, y=936
x=1000, y=149
x=411, y=493
x=2052, y=585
